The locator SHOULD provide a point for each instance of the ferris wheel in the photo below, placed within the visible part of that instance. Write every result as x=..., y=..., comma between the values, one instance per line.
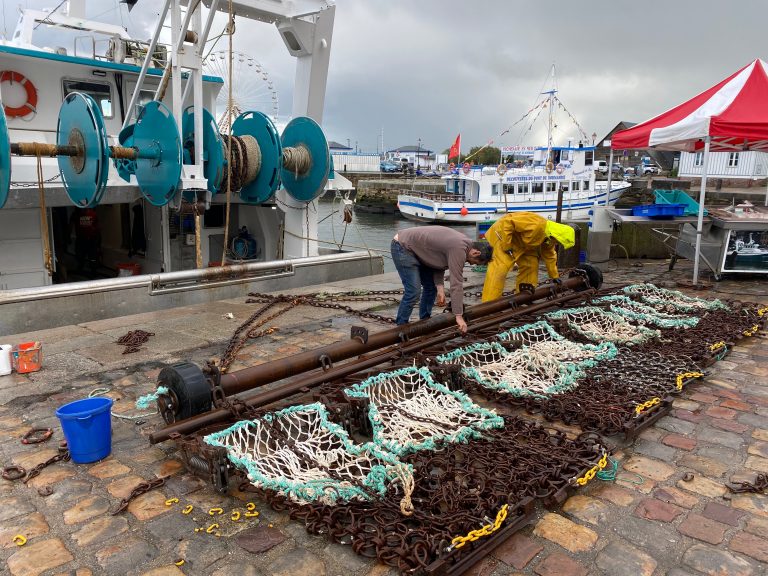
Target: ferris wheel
x=252, y=89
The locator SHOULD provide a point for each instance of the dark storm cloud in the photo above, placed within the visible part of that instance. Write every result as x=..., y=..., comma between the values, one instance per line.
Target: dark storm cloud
x=432, y=68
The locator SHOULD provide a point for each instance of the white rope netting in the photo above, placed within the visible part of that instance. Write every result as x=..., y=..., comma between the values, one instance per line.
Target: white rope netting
x=672, y=300
x=549, y=365
x=409, y=411
x=601, y=326
x=298, y=452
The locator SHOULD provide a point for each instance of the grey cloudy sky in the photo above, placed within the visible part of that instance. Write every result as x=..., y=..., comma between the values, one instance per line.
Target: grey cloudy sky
x=429, y=69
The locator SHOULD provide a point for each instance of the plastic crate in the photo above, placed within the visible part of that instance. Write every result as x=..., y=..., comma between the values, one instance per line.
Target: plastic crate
x=659, y=211
x=678, y=197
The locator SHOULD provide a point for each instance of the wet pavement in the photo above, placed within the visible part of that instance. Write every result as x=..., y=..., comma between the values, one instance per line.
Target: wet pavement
x=667, y=513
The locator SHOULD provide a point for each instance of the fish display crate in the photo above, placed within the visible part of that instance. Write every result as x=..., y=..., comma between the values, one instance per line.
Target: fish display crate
x=659, y=211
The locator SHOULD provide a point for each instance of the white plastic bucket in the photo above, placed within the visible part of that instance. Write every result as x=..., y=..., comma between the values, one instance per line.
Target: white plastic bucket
x=5, y=359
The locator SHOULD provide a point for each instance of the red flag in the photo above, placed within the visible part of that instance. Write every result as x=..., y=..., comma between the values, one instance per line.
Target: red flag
x=454, y=151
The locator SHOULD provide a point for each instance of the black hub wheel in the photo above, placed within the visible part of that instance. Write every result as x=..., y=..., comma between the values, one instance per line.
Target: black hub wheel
x=190, y=393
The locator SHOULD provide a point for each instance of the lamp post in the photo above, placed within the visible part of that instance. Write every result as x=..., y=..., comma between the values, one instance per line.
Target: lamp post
x=418, y=151
x=594, y=136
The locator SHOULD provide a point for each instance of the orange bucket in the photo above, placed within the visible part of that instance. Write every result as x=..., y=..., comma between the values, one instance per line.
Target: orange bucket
x=27, y=357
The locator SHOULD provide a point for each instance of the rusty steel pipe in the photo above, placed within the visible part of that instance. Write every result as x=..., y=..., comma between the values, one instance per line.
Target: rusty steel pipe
x=256, y=399
x=247, y=378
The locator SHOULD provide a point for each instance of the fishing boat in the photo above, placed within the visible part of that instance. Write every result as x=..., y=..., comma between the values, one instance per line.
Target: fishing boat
x=539, y=180
x=482, y=193
x=118, y=139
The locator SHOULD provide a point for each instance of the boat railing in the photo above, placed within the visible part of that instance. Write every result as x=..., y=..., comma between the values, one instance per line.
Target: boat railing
x=436, y=196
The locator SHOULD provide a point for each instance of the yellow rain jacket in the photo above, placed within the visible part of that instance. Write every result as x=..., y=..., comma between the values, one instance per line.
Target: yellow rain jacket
x=522, y=238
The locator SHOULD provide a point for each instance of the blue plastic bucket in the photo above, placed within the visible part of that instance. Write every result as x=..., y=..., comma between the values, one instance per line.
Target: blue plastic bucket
x=87, y=426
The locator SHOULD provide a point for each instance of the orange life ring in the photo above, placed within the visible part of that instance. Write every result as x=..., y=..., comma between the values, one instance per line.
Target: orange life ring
x=559, y=168
x=549, y=167
x=30, y=106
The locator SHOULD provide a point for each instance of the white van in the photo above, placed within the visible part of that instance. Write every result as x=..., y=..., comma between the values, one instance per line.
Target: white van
x=600, y=166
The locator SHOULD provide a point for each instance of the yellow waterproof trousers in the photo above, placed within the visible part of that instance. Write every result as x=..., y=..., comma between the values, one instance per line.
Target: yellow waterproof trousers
x=496, y=276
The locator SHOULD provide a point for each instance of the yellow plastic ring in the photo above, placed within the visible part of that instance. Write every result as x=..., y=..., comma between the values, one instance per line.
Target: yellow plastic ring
x=251, y=514
x=235, y=515
x=211, y=528
x=250, y=506
x=171, y=501
x=19, y=540
x=179, y=562
x=187, y=509
x=216, y=511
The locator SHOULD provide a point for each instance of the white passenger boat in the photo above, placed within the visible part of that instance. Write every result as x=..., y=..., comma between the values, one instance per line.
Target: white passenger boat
x=481, y=193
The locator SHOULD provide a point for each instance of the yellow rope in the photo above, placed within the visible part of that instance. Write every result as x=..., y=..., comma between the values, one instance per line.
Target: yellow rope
x=486, y=530
x=47, y=254
x=198, y=240
x=405, y=476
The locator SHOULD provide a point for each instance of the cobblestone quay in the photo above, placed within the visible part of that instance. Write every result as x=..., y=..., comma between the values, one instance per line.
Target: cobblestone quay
x=667, y=513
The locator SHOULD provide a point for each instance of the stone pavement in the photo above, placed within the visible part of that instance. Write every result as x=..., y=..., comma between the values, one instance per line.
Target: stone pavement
x=668, y=513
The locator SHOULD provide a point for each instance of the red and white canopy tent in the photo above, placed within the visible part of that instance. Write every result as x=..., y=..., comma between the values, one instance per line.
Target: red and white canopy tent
x=732, y=116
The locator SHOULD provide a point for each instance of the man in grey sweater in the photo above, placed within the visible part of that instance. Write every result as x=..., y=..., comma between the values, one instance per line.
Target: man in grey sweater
x=421, y=256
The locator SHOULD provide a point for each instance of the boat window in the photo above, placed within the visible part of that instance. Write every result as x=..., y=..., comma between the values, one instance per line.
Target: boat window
x=101, y=92
x=537, y=187
x=551, y=186
x=509, y=188
x=565, y=186
x=522, y=188
x=494, y=190
x=585, y=185
x=576, y=186
x=588, y=157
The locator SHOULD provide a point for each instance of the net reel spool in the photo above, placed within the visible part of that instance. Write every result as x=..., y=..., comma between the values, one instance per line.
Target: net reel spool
x=83, y=152
x=306, y=160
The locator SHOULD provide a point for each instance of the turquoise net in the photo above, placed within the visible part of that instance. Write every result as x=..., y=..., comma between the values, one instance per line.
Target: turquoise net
x=409, y=411
x=301, y=454
x=645, y=314
x=672, y=300
x=600, y=325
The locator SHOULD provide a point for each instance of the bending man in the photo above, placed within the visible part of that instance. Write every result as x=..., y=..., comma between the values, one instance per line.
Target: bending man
x=523, y=238
x=421, y=256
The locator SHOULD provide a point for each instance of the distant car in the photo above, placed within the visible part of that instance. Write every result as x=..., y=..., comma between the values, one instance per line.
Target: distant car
x=629, y=172
x=647, y=169
x=389, y=167
x=617, y=170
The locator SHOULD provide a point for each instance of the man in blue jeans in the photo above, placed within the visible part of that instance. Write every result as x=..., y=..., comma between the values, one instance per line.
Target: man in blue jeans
x=421, y=256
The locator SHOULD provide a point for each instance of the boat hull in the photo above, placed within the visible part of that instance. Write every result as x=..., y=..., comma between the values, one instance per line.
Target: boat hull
x=423, y=209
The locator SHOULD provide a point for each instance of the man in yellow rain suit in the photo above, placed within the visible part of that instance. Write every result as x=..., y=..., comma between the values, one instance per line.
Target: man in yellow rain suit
x=523, y=238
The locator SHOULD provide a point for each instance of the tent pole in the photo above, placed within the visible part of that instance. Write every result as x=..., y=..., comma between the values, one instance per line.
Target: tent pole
x=766, y=192
x=700, y=221
x=610, y=175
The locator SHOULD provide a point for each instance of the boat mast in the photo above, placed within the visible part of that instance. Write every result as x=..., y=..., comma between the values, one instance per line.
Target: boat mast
x=550, y=103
